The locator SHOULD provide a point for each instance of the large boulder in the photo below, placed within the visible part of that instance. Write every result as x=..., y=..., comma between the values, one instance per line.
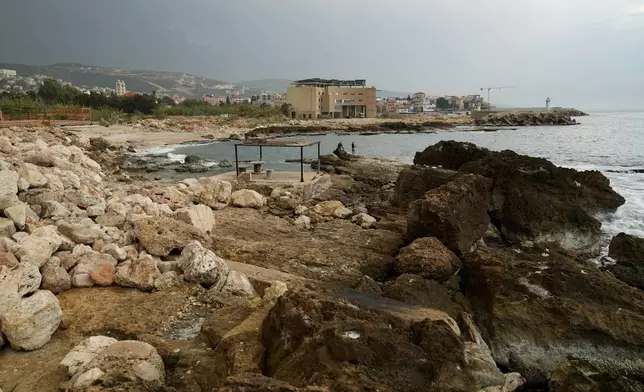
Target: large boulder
x=29, y=324
x=84, y=353
x=160, y=236
x=39, y=246
x=214, y=193
x=200, y=216
x=328, y=208
x=202, y=266
x=139, y=273
x=315, y=339
x=247, y=198
x=92, y=264
x=129, y=364
x=16, y=282
x=628, y=252
x=455, y=213
x=532, y=198
x=450, y=155
x=8, y=189
x=429, y=258
x=538, y=308
x=415, y=181
x=54, y=277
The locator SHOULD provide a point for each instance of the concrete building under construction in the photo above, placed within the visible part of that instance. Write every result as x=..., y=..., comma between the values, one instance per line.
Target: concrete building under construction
x=331, y=98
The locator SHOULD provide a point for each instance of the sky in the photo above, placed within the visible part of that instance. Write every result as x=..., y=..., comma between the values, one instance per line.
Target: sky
x=582, y=53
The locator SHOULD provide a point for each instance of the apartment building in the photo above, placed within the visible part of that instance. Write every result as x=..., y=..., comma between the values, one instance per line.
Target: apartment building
x=331, y=98
x=7, y=73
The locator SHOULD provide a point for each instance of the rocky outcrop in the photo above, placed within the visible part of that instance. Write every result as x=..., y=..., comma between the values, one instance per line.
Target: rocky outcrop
x=160, y=236
x=202, y=266
x=532, y=199
x=538, y=309
x=455, y=213
x=628, y=252
x=526, y=118
x=414, y=182
x=429, y=258
x=312, y=339
x=576, y=376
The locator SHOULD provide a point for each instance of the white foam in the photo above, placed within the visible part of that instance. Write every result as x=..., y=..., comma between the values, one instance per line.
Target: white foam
x=176, y=157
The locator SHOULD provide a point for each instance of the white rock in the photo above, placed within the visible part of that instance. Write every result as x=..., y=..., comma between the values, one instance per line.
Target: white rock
x=18, y=214
x=51, y=208
x=328, y=208
x=303, y=222
x=238, y=284
x=247, y=198
x=94, y=211
x=301, y=210
x=54, y=182
x=5, y=145
x=79, y=233
x=200, y=216
x=214, y=193
x=19, y=236
x=7, y=227
x=82, y=280
x=37, y=248
x=17, y=282
x=91, y=261
x=202, y=266
x=140, y=273
x=54, y=277
x=84, y=353
x=88, y=378
x=8, y=189
x=123, y=359
x=364, y=220
x=117, y=208
x=29, y=324
x=114, y=251
x=342, y=213
x=30, y=174
x=83, y=198
x=166, y=281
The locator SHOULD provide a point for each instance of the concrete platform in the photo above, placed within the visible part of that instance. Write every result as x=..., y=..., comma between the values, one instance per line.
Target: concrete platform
x=278, y=178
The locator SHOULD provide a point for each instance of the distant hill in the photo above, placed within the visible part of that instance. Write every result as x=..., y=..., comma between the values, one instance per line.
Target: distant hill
x=276, y=85
x=143, y=81
x=393, y=94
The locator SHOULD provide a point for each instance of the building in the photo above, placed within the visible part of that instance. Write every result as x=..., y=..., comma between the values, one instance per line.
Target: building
x=418, y=101
x=120, y=87
x=214, y=100
x=7, y=73
x=331, y=98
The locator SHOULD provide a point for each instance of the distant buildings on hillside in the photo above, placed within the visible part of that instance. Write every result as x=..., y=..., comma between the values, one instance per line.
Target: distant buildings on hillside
x=7, y=73
x=120, y=87
x=421, y=103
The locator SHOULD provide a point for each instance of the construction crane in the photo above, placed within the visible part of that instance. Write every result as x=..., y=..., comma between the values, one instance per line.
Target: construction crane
x=493, y=88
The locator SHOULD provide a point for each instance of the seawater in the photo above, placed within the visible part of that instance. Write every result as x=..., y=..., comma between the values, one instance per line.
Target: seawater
x=612, y=143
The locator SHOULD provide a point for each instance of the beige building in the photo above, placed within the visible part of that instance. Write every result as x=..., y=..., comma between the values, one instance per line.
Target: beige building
x=120, y=87
x=324, y=98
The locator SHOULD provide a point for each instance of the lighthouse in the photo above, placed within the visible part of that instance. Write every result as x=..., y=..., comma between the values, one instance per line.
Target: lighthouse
x=547, y=104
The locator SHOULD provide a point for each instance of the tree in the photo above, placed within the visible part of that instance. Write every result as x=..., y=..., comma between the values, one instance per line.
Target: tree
x=285, y=109
x=227, y=100
x=442, y=103
x=167, y=101
x=408, y=97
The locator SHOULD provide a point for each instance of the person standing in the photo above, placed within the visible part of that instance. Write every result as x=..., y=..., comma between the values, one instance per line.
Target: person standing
x=353, y=148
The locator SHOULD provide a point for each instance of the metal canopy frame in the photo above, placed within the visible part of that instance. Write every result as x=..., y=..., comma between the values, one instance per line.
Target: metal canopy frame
x=279, y=143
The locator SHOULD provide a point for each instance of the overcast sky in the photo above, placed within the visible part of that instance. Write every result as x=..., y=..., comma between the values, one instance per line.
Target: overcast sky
x=582, y=53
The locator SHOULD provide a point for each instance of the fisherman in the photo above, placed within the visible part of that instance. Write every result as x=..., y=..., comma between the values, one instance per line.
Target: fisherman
x=340, y=147
x=353, y=148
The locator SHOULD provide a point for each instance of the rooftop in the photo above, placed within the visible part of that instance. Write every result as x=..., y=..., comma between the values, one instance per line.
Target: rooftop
x=331, y=82
x=278, y=143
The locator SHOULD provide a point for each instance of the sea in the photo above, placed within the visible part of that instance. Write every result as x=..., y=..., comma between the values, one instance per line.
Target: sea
x=611, y=142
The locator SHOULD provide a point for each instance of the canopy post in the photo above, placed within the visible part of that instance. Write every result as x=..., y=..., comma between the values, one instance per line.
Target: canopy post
x=301, y=164
x=318, y=157
x=236, y=162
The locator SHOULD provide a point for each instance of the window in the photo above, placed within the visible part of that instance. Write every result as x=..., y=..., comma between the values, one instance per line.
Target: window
x=345, y=93
x=359, y=93
x=353, y=93
x=360, y=100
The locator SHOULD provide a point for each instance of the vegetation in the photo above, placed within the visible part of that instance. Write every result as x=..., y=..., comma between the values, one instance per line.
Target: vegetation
x=111, y=108
x=442, y=103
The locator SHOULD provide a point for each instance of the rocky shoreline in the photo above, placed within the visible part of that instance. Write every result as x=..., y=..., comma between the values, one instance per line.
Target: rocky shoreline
x=466, y=271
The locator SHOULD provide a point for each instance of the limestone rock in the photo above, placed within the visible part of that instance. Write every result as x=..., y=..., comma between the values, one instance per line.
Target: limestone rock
x=301, y=210
x=202, y=266
x=415, y=181
x=364, y=220
x=112, y=219
x=83, y=198
x=303, y=222
x=429, y=258
x=131, y=364
x=82, y=280
x=54, y=277
x=215, y=194
x=29, y=324
x=247, y=198
x=84, y=353
x=342, y=213
x=23, y=279
x=455, y=213
x=7, y=227
x=80, y=234
x=200, y=216
x=114, y=251
x=18, y=214
x=37, y=249
x=628, y=251
x=166, y=281
x=160, y=236
x=52, y=209
x=104, y=275
x=88, y=378
x=238, y=284
x=328, y=208
x=8, y=259
x=8, y=189
x=5, y=145
x=32, y=178
x=139, y=273
x=95, y=211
